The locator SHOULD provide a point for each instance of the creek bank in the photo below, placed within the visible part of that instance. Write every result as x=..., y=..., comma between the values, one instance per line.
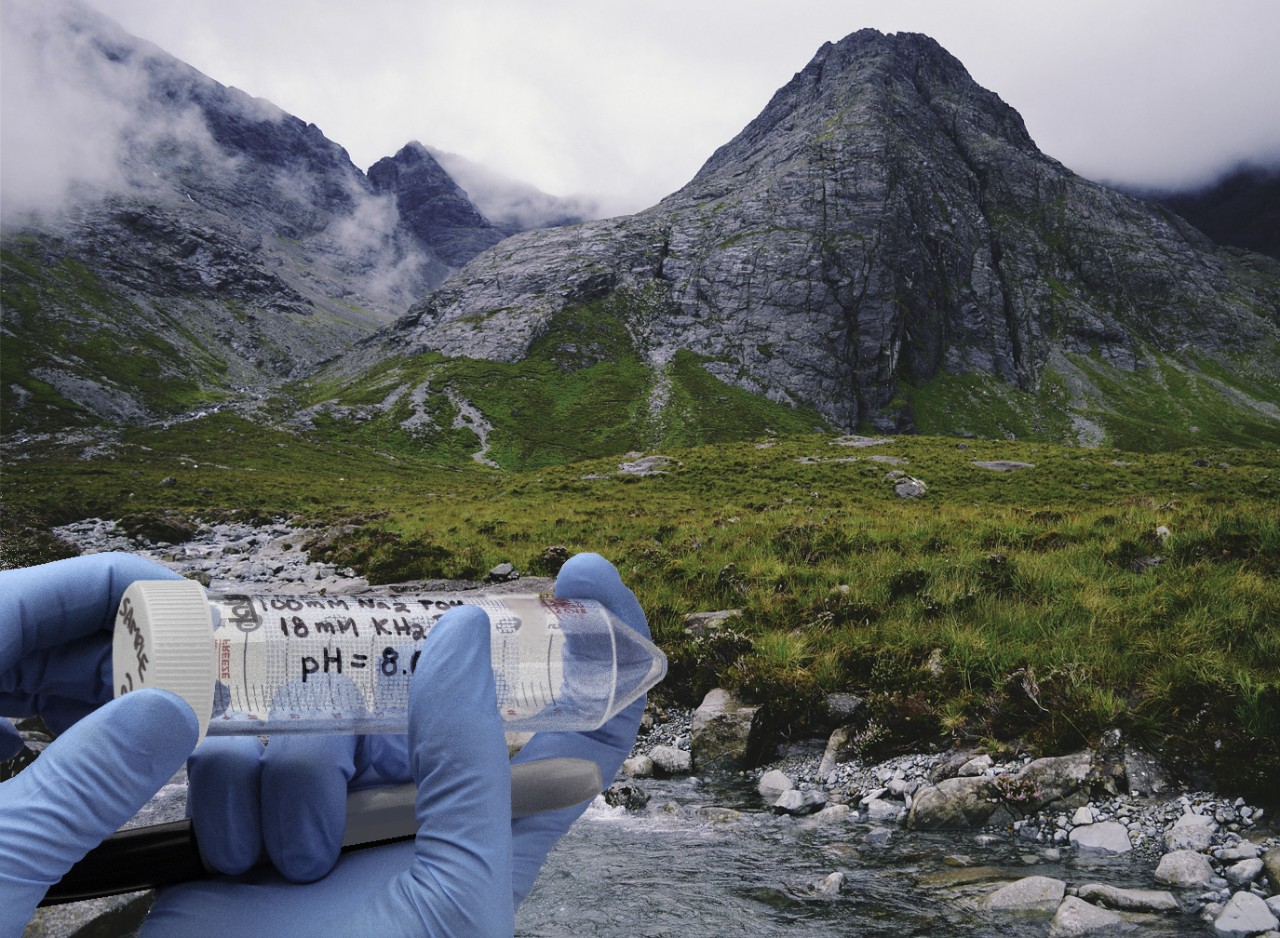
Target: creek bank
x=1210, y=862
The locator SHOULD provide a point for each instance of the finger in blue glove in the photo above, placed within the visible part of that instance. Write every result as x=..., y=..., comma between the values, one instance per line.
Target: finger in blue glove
x=84, y=786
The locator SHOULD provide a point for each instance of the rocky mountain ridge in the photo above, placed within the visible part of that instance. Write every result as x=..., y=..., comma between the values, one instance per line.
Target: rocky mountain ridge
x=883, y=227
x=208, y=245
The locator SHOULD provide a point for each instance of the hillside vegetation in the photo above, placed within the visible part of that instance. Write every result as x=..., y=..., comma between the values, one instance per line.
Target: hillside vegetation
x=1038, y=605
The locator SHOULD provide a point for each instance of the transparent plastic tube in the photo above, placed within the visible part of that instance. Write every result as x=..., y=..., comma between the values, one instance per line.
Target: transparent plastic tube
x=264, y=664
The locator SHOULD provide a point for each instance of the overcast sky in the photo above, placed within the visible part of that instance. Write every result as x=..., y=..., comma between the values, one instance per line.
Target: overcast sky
x=624, y=99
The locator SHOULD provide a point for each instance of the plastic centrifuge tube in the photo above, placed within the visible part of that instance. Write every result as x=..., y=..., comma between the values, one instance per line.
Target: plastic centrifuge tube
x=262, y=664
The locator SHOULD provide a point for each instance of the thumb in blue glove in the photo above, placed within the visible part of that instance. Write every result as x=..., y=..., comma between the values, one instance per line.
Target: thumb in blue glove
x=84, y=786
x=454, y=879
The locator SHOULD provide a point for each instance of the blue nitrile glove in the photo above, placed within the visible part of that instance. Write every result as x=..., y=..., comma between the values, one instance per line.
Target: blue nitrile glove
x=454, y=879
x=109, y=758
x=244, y=801
x=585, y=576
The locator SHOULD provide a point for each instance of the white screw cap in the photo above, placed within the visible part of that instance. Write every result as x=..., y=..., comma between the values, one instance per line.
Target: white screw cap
x=164, y=639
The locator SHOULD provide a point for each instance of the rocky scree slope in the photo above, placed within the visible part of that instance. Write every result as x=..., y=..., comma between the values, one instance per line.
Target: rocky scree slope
x=883, y=223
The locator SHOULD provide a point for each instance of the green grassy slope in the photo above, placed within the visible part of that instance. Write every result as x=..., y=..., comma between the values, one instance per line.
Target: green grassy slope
x=1043, y=604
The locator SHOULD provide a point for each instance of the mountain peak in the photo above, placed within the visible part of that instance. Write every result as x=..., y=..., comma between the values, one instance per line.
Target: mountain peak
x=868, y=89
x=432, y=205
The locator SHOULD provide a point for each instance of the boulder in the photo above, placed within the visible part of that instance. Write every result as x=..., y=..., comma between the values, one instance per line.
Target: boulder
x=881, y=810
x=1031, y=894
x=1191, y=832
x=1244, y=872
x=954, y=804
x=638, y=767
x=832, y=885
x=502, y=573
x=1241, y=851
x=701, y=624
x=671, y=761
x=1186, y=869
x=1129, y=900
x=799, y=803
x=1107, y=837
x=772, y=784
x=910, y=488
x=1143, y=774
x=722, y=731
x=977, y=765
x=970, y=802
x=1271, y=866
x=1077, y=917
x=1061, y=781
x=833, y=813
x=839, y=749
x=630, y=797
x=1244, y=914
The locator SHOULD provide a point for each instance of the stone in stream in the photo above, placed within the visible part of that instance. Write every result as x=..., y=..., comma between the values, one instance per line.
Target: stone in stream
x=671, y=761
x=1244, y=872
x=1030, y=894
x=1191, y=832
x=1107, y=837
x=772, y=784
x=638, y=767
x=1244, y=914
x=1077, y=917
x=626, y=796
x=832, y=885
x=1186, y=869
x=1129, y=900
x=799, y=803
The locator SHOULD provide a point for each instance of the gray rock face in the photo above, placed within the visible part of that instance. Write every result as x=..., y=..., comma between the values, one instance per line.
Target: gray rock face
x=884, y=219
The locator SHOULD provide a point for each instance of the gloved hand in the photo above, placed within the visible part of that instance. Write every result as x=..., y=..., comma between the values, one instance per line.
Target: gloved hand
x=109, y=758
x=471, y=864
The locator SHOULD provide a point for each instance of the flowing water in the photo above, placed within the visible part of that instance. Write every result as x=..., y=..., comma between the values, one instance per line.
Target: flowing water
x=701, y=862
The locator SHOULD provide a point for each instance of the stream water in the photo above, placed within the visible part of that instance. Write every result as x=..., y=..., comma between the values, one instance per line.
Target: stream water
x=703, y=861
